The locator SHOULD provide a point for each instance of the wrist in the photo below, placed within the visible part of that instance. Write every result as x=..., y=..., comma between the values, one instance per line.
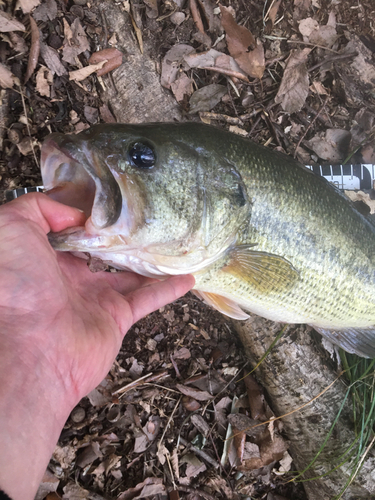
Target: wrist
x=33, y=410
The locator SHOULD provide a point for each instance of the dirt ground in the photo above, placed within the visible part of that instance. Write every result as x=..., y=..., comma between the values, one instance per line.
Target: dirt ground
x=296, y=76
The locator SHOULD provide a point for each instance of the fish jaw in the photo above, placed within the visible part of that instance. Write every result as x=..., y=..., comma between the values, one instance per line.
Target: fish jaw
x=74, y=175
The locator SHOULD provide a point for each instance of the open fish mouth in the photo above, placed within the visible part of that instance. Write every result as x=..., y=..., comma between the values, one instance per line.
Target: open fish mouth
x=75, y=176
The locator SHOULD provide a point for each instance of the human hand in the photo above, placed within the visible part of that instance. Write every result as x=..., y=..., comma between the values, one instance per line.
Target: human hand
x=61, y=326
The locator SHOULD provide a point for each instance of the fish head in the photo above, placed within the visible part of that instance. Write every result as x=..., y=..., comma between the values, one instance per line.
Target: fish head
x=157, y=200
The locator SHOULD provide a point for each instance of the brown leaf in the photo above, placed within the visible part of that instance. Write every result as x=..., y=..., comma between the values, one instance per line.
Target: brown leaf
x=18, y=43
x=190, y=404
x=75, y=41
x=34, y=49
x=52, y=59
x=28, y=5
x=294, y=86
x=43, y=81
x=256, y=398
x=170, y=66
x=113, y=58
x=207, y=97
x=46, y=12
x=9, y=23
x=273, y=11
x=80, y=74
x=193, y=393
x=332, y=145
x=248, y=52
x=196, y=15
x=106, y=115
x=182, y=87
x=7, y=79
x=150, y=486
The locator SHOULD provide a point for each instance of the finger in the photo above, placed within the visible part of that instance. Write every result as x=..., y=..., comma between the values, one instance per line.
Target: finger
x=48, y=214
x=150, y=298
x=79, y=275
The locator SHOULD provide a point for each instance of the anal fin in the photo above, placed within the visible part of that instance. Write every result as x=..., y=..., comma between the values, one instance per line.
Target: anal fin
x=360, y=341
x=222, y=304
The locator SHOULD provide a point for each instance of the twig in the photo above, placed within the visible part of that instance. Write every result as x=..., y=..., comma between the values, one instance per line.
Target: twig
x=200, y=453
x=333, y=59
x=310, y=125
x=28, y=126
x=313, y=45
x=169, y=421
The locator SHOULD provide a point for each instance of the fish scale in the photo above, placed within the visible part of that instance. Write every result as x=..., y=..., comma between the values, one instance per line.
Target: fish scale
x=260, y=233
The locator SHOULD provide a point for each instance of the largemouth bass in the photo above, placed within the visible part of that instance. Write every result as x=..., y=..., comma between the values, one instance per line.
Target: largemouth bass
x=259, y=232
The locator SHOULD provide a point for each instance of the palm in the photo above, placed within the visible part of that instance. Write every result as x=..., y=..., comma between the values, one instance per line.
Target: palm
x=71, y=320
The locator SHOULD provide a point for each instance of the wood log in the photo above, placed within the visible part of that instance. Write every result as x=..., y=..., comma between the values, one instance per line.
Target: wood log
x=294, y=373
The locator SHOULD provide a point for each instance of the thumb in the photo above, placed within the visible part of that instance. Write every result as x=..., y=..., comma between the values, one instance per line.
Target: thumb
x=47, y=213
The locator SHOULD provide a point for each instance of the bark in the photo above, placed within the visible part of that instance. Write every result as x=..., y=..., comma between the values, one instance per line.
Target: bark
x=137, y=95
x=293, y=373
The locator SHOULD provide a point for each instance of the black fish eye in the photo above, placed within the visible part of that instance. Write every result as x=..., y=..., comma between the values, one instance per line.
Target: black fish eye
x=142, y=155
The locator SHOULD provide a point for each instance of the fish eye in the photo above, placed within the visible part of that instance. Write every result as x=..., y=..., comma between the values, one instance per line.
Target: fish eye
x=142, y=155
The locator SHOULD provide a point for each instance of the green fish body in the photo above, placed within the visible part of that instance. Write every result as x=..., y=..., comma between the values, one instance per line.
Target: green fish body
x=260, y=232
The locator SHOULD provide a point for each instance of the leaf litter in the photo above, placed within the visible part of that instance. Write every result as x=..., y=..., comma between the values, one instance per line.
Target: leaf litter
x=126, y=437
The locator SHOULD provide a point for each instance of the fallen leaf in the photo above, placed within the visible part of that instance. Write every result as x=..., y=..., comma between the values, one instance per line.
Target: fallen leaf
x=46, y=12
x=149, y=487
x=307, y=26
x=18, y=43
x=182, y=87
x=272, y=13
x=242, y=46
x=151, y=8
x=112, y=58
x=332, y=145
x=215, y=61
x=106, y=115
x=48, y=484
x=75, y=42
x=73, y=491
x=363, y=197
x=34, y=50
x=172, y=61
x=207, y=97
x=9, y=23
x=285, y=463
x=7, y=79
x=80, y=74
x=200, y=424
x=52, y=59
x=190, y=404
x=294, y=86
x=194, y=393
x=194, y=467
x=44, y=81
x=92, y=115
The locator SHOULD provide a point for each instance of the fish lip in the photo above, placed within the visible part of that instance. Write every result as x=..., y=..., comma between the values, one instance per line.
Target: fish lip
x=59, y=149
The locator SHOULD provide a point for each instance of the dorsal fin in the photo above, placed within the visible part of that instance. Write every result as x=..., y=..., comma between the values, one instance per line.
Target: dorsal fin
x=360, y=341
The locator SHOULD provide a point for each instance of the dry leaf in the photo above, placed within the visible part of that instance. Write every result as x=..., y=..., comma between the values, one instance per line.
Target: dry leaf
x=182, y=87
x=149, y=484
x=194, y=393
x=273, y=11
x=151, y=8
x=34, y=50
x=46, y=12
x=294, y=86
x=112, y=58
x=242, y=46
x=28, y=5
x=52, y=59
x=80, y=74
x=75, y=41
x=9, y=23
x=7, y=79
x=92, y=116
x=207, y=97
x=106, y=115
x=44, y=81
x=215, y=61
x=170, y=66
x=18, y=43
x=363, y=197
x=332, y=146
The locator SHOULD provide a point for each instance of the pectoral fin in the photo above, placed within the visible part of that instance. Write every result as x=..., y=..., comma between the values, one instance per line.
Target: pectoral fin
x=360, y=341
x=222, y=304
x=263, y=271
